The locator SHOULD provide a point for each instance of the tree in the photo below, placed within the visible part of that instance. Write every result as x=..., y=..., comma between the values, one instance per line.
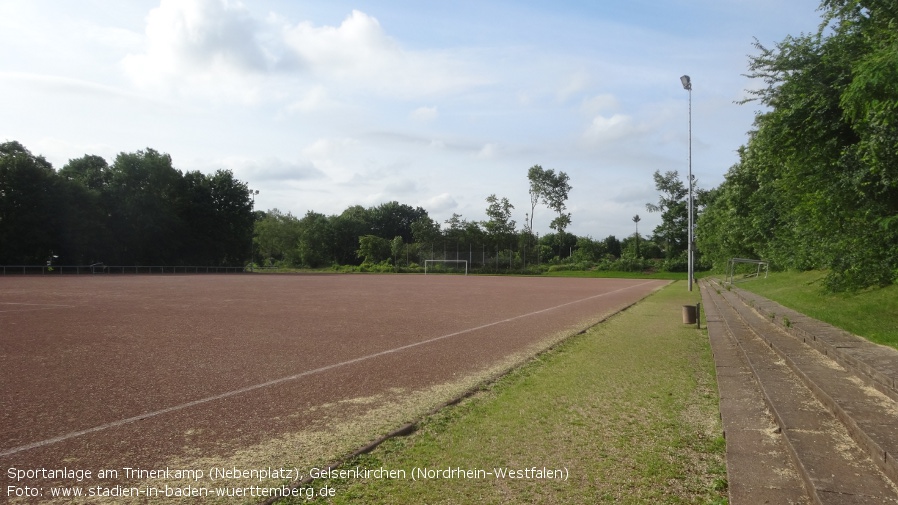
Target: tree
x=90, y=171
x=393, y=218
x=425, y=231
x=277, y=238
x=500, y=227
x=636, y=220
x=459, y=232
x=84, y=233
x=589, y=250
x=552, y=190
x=315, y=240
x=146, y=193
x=396, y=247
x=817, y=184
x=612, y=245
x=672, y=204
x=217, y=213
x=29, y=218
x=347, y=227
x=538, y=187
x=373, y=249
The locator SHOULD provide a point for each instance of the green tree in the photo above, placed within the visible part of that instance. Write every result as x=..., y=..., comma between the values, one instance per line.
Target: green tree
x=396, y=248
x=393, y=218
x=425, y=233
x=84, y=233
x=612, y=246
x=347, y=227
x=672, y=204
x=145, y=193
x=29, y=216
x=589, y=250
x=90, y=171
x=817, y=183
x=217, y=213
x=373, y=249
x=500, y=227
x=315, y=243
x=277, y=239
x=552, y=189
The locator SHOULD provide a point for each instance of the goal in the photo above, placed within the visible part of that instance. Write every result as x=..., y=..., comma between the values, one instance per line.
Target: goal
x=436, y=267
x=753, y=271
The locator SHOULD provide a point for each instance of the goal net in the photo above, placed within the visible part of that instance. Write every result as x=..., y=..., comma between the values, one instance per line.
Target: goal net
x=446, y=266
x=746, y=267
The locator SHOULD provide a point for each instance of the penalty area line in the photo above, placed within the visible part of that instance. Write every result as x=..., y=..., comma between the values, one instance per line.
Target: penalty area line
x=254, y=387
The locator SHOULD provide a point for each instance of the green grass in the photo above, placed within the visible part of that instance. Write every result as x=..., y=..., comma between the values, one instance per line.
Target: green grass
x=673, y=276
x=628, y=409
x=870, y=313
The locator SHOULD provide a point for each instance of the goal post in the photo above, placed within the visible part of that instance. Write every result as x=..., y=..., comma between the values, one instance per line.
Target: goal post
x=429, y=262
x=757, y=264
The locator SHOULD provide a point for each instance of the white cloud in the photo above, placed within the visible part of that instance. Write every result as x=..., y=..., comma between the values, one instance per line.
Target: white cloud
x=327, y=148
x=202, y=48
x=600, y=103
x=66, y=85
x=358, y=46
x=575, y=84
x=603, y=130
x=439, y=204
x=272, y=169
x=488, y=151
x=424, y=114
x=217, y=49
x=360, y=52
x=196, y=35
x=315, y=99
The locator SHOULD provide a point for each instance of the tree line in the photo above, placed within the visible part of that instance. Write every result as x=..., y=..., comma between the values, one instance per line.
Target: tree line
x=394, y=236
x=816, y=185
x=139, y=210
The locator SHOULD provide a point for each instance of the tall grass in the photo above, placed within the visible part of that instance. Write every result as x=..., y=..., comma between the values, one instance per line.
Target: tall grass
x=871, y=313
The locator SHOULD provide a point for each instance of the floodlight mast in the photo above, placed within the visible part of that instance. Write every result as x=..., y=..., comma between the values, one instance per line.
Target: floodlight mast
x=687, y=85
x=252, y=245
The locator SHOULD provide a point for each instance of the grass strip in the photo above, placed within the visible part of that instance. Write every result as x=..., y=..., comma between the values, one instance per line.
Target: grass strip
x=627, y=411
x=869, y=313
x=603, y=274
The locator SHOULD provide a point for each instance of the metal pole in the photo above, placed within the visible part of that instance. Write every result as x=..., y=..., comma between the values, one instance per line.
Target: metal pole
x=252, y=245
x=687, y=85
x=690, y=253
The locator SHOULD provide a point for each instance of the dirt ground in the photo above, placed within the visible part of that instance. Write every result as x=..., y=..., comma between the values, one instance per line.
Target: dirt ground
x=248, y=372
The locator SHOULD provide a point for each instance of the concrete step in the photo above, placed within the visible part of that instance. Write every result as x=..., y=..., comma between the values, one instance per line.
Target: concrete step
x=876, y=364
x=849, y=391
x=837, y=429
x=759, y=466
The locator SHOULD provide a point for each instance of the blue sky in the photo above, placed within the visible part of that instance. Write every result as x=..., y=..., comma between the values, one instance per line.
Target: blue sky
x=325, y=104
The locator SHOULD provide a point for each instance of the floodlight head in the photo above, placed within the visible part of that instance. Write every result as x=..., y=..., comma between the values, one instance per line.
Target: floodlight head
x=687, y=83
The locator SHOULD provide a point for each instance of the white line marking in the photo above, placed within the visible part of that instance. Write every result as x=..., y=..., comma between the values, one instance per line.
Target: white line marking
x=37, y=306
x=228, y=394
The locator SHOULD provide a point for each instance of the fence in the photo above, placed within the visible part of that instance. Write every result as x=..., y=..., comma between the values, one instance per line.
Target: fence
x=109, y=269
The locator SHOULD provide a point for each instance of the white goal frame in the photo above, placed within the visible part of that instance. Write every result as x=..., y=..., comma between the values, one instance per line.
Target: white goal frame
x=445, y=261
x=731, y=268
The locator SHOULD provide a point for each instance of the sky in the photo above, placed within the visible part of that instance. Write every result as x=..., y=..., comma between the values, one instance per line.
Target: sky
x=324, y=104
